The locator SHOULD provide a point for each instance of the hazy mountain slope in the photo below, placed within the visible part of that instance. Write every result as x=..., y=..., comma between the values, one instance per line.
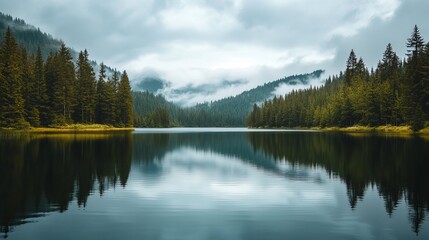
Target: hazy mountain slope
x=232, y=111
x=31, y=37
x=227, y=112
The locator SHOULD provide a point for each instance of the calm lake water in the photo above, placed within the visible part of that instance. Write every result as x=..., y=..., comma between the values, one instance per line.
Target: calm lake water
x=213, y=184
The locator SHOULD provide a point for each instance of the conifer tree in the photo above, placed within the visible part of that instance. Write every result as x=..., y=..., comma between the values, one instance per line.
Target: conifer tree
x=106, y=97
x=12, y=102
x=394, y=93
x=60, y=79
x=86, y=90
x=29, y=89
x=415, y=43
x=124, y=102
x=36, y=94
x=40, y=87
x=413, y=86
x=350, y=67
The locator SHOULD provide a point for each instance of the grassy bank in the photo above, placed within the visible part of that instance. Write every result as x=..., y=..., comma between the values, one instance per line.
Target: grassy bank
x=72, y=128
x=405, y=130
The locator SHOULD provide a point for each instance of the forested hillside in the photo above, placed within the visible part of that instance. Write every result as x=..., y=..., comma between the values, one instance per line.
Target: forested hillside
x=55, y=92
x=232, y=111
x=152, y=110
x=29, y=37
x=32, y=38
x=227, y=112
x=396, y=93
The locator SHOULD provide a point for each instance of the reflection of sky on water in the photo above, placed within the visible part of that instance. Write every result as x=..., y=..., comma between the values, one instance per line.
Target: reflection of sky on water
x=196, y=179
x=218, y=187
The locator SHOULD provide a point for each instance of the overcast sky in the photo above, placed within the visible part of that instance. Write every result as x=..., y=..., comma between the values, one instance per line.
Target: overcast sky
x=208, y=43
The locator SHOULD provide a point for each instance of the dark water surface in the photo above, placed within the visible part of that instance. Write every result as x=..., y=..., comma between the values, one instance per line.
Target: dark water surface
x=213, y=184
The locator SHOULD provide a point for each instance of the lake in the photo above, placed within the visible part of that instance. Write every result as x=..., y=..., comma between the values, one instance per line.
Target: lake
x=214, y=184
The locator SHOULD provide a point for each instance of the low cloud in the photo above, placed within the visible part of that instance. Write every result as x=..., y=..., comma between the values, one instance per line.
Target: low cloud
x=193, y=94
x=284, y=89
x=197, y=42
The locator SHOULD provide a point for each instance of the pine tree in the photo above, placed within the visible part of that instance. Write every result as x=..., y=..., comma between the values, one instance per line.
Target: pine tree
x=415, y=43
x=425, y=81
x=389, y=66
x=86, y=90
x=106, y=98
x=414, y=85
x=360, y=70
x=40, y=87
x=29, y=89
x=12, y=103
x=350, y=67
x=124, y=102
x=60, y=80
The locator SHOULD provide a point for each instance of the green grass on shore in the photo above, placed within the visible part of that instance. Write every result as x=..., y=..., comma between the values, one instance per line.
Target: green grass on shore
x=380, y=129
x=71, y=128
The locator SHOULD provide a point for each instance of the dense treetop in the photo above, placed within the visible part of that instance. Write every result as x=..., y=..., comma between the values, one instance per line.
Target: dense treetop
x=226, y=112
x=57, y=91
x=396, y=93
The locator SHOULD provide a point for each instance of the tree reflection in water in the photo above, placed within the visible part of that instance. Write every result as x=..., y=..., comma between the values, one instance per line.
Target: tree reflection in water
x=40, y=174
x=397, y=166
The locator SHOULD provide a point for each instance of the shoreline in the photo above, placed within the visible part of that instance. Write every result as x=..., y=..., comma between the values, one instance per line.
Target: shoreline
x=99, y=128
x=74, y=128
x=386, y=129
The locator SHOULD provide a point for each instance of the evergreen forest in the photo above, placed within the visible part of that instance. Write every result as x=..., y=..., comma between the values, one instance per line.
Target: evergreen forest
x=227, y=112
x=395, y=93
x=59, y=90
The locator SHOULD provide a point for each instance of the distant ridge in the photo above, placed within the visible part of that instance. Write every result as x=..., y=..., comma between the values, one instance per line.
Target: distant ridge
x=31, y=37
x=232, y=111
x=227, y=112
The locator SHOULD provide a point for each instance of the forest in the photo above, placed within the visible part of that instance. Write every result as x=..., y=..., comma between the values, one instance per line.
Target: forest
x=395, y=93
x=57, y=91
x=149, y=109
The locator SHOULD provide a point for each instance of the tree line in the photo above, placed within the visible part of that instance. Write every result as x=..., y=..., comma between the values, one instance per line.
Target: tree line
x=28, y=36
x=395, y=93
x=149, y=109
x=56, y=92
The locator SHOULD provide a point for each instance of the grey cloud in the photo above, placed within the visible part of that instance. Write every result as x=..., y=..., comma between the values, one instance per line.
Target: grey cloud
x=371, y=42
x=150, y=84
x=123, y=33
x=192, y=89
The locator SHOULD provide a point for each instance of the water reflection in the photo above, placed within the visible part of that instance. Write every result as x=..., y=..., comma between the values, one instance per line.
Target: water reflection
x=223, y=185
x=44, y=173
x=150, y=148
x=397, y=166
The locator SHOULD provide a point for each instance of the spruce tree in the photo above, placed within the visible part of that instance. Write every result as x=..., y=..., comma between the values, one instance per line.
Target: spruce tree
x=124, y=102
x=425, y=81
x=60, y=79
x=29, y=89
x=40, y=87
x=86, y=90
x=106, y=98
x=414, y=84
x=12, y=103
x=415, y=43
x=350, y=67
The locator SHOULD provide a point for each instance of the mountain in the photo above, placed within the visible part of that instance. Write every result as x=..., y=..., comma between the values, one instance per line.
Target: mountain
x=232, y=111
x=228, y=112
x=31, y=37
x=145, y=103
